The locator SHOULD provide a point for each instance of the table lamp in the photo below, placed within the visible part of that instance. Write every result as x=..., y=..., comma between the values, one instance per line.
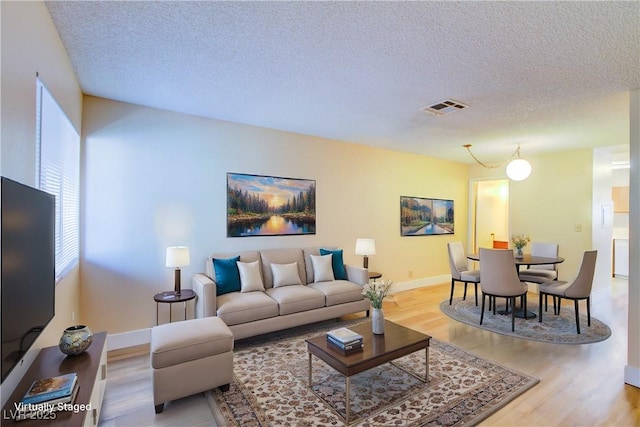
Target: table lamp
x=177, y=256
x=365, y=247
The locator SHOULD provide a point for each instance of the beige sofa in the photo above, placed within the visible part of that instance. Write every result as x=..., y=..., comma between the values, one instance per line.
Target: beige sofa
x=258, y=312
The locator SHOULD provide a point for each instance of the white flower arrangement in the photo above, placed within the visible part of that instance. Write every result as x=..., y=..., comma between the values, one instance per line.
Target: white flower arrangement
x=520, y=240
x=376, y=292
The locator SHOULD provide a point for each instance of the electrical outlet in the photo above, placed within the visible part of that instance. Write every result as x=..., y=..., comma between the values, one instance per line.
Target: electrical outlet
x=410, y=274
x=73, y=316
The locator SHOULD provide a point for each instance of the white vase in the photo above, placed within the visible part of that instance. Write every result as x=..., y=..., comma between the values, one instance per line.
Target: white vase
x=519, y=253
x=377, y=321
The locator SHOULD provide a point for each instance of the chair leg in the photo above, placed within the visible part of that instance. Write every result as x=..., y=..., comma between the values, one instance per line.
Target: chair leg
x=475, y=285
x=451, y=296
x=546, y=302
x=589, y=311
x=482, y=311
x=464, y=296
x=513, y=314
x=540, y=305
x=577, y=315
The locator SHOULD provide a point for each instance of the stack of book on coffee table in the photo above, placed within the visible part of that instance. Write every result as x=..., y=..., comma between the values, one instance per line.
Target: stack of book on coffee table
x=345, y=340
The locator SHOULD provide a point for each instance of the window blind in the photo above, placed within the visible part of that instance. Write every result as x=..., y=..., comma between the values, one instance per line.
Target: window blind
x=58, y=173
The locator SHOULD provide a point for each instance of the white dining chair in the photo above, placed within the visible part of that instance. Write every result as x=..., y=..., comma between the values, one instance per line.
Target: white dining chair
x=576, y=290
x=500, y=280
x=460, y=271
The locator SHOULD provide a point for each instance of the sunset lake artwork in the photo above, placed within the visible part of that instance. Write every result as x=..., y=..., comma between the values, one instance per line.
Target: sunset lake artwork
x=425, y=217
x=270, y=206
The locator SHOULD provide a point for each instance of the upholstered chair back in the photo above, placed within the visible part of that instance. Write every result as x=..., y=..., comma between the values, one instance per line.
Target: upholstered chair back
x=581, y=286
x=549, y=250
x=498, y=272
x=457, y=259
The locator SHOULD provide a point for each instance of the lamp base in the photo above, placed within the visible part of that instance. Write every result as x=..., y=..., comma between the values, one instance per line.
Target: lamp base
x=177, y=281
x=365, y=262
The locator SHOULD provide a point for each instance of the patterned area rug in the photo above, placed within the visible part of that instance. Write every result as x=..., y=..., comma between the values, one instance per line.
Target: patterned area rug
x=553, y=329
x=270, y=388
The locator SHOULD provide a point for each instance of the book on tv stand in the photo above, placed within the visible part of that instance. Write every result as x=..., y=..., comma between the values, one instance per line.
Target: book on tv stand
x=90, y=368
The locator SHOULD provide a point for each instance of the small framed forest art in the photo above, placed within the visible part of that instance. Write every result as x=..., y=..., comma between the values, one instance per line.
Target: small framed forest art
x=425, y=217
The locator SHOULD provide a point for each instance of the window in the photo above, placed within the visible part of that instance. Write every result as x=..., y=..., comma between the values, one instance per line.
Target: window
x=58, y=173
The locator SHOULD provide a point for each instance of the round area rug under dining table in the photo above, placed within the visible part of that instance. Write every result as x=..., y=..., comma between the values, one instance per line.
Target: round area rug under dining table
x=553, y=329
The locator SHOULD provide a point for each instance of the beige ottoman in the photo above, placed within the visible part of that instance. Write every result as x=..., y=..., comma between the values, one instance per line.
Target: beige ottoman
x=190, y=357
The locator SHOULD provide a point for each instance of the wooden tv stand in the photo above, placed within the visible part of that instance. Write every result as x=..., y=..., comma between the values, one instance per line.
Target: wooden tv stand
x=91, y=367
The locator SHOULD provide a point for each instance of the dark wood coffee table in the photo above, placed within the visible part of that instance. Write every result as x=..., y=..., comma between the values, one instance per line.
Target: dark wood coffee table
x=396, y=342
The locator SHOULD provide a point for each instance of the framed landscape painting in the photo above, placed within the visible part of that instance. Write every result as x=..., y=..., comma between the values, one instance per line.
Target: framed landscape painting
x=270, y=206
x=425, y=217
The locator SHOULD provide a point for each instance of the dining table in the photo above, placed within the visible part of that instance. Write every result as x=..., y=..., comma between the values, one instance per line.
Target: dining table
x=526, y=260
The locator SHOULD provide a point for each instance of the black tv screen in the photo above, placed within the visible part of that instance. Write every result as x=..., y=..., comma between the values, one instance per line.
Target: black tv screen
x=28, y=268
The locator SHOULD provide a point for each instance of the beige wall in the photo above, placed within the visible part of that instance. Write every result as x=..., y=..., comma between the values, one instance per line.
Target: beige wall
x=155, y=178
x=30, y=45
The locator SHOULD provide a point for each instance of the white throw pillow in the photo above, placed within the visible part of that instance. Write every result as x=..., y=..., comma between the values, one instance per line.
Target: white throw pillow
x=322, y=268
x=250, y=277
x=285, y=274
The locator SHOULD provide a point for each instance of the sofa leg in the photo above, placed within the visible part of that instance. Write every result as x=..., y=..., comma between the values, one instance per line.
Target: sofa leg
x=159, y=408
x=224, y=387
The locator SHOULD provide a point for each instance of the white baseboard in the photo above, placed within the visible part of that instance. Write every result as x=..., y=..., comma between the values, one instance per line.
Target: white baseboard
x=419, y=283
x=128, y=339
x=632, y=375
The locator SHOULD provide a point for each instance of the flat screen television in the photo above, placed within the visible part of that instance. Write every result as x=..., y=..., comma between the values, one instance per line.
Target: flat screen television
x=28, y=268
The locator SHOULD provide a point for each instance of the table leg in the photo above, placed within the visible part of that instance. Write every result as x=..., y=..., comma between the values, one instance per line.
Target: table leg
x=157, y=314
x=310, y=373
x=347, y=402
x=185, y=310
x=426, y=360
x=170, y=313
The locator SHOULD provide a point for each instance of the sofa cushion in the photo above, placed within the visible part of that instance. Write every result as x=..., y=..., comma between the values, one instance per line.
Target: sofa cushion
x=227, y=276
x=337, y=262
x=339, y=291
x=296, y=298
x=285, y=274
x=250, y=276
x=322, y=268
x=236, y=307
x=281, y=256
x=245, y=256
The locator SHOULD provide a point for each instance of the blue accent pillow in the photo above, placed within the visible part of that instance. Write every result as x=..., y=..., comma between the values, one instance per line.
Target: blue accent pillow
x=227, y=275
x=337, y=263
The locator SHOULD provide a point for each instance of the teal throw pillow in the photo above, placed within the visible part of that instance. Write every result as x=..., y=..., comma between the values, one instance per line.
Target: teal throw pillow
x=227, y=275
x=337, y=263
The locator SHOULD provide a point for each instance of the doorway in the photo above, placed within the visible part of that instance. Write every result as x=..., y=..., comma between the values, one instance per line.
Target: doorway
x=489, y=213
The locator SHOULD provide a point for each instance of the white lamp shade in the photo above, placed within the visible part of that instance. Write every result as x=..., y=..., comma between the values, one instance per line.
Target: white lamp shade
x=518, y=169
x=178, y=256
x=365, y=247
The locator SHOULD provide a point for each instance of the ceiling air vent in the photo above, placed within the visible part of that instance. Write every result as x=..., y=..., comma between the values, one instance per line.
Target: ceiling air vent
x=444, y=107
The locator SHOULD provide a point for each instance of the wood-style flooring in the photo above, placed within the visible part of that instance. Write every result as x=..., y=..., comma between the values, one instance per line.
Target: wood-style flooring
x=580, y=385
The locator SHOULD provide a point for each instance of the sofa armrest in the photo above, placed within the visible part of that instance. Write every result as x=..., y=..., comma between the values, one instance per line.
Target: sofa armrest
x=205, y=289
x=357, y=275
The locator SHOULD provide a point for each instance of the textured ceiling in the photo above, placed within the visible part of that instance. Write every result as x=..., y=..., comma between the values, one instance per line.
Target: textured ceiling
x=545, y=75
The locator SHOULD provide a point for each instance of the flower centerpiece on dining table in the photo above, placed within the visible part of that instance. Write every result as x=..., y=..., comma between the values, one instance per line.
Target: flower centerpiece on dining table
x=376, y=292
x=520, y=241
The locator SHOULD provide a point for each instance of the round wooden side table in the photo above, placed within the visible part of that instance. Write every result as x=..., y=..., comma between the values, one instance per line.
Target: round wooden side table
x=171, y=297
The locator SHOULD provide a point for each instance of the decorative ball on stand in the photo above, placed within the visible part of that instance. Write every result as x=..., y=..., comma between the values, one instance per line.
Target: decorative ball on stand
x=75, y=340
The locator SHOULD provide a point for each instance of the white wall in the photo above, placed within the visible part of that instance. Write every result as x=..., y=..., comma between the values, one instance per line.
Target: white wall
x=602, y=226
x=632, y=370
x=154, y=179
x=30, y=45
